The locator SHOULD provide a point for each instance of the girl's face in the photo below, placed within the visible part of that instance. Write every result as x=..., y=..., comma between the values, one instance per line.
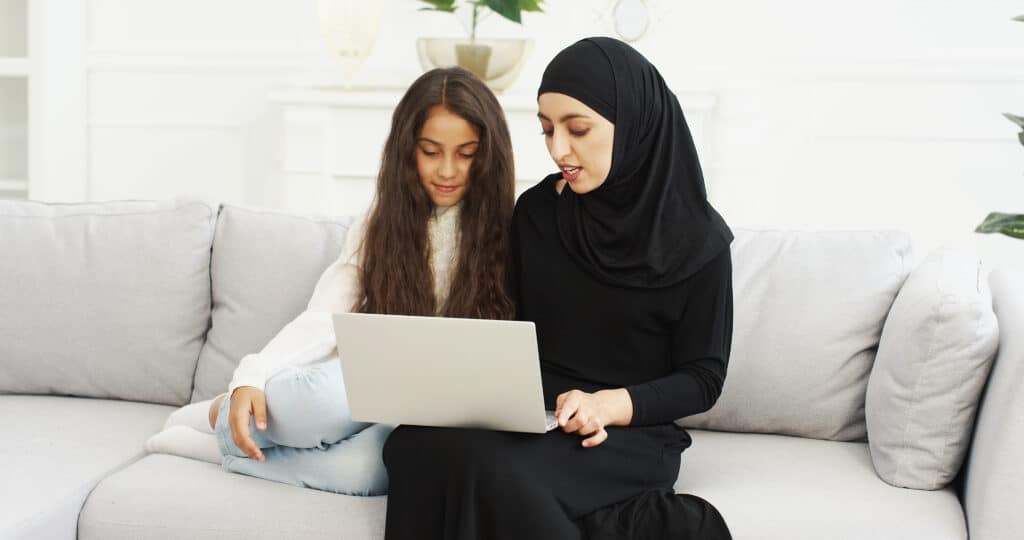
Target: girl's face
x=444, y=152
x=579, y=140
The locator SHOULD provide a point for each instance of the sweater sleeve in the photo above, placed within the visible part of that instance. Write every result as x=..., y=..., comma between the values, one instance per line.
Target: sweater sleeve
x=310, y=336
x=701, y=343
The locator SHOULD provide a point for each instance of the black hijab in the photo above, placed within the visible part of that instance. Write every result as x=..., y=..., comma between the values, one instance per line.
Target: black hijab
x=649, y=224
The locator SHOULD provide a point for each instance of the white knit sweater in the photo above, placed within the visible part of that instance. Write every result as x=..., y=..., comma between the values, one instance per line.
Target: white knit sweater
x=310, y=337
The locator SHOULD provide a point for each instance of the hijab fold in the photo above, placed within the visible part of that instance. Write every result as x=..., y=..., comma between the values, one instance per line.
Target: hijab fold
x=649, y=224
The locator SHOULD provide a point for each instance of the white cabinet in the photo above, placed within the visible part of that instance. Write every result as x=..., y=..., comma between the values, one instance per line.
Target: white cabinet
x=14, y=99
x=332, y=143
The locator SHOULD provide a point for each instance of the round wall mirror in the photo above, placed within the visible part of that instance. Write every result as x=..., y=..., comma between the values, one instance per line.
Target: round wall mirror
x=631, y=18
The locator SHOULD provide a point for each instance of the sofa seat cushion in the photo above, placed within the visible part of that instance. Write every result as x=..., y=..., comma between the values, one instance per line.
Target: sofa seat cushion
x=55, y=450
x=771, y=487
x=766, y=486
x=163, y=496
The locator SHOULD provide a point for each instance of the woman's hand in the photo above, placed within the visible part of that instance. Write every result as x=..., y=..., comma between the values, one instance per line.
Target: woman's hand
x=247, y=401
x=588, y=414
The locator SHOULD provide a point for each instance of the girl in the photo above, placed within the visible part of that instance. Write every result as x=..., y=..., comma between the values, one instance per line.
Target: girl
x=625, y=269
x=435, y=243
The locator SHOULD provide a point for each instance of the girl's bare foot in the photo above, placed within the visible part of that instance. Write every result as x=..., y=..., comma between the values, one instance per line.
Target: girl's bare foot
x=215, y=409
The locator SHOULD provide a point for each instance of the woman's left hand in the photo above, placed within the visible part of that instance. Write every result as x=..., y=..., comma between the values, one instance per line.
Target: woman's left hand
x=588, y=414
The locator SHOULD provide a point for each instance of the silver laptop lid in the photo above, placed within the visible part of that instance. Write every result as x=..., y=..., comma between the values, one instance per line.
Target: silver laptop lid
x=435, y=371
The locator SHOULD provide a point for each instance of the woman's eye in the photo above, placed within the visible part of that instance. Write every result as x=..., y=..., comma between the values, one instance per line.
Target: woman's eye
x=467, y=156
x=428, y=152
x=547, y=132
x=579, y=132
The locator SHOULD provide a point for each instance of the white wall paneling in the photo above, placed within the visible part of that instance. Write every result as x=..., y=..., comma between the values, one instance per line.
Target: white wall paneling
x=883, y=114
x=332, y=143
x=58, y=149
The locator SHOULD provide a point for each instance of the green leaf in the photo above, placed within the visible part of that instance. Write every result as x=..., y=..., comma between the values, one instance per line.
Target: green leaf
x=447, y=6
x=1019, y=120
x=1019, y=18
x=506, y=8
x=1008, y=224
x=531, y=5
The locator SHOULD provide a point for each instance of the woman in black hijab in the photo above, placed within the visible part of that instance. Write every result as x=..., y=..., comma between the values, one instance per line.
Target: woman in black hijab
x=627, y=275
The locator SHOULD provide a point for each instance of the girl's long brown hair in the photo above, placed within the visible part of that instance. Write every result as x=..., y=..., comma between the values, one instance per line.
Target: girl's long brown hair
x=396, y=276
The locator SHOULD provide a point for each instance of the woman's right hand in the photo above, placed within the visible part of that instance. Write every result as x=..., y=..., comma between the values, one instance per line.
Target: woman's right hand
x=246, y=402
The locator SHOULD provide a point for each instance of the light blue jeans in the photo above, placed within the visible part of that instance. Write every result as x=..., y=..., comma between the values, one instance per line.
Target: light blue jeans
x=310, y=440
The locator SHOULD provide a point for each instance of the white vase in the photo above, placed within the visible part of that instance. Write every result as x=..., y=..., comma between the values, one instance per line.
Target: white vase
x=349, y=29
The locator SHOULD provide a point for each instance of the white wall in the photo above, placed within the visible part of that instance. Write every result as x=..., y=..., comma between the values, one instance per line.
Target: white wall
x=865, y=115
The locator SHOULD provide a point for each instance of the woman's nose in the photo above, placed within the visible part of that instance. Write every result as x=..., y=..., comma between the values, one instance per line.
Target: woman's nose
x=560, y=148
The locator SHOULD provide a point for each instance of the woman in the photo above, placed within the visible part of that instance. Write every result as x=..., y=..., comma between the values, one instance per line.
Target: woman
x=625, y=269
x=434, y=244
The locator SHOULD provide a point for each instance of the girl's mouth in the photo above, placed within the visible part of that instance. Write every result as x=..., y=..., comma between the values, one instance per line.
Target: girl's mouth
x=571, y=173
x=446, y=189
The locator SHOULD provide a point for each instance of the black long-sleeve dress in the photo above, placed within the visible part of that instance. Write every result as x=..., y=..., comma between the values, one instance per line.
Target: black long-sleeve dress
x=668, y=347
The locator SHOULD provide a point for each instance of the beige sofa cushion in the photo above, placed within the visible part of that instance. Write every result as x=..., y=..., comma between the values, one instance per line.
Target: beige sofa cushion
x=809, y=309
x=56, y=449
x=108, y=300
x=201, y=501
x=995, y=469
x=265, y=266
x=935, y=355
x=772, y=487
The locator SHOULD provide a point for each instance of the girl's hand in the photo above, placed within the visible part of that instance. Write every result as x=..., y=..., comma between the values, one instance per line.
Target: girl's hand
x=247, y=402
x=588, y=414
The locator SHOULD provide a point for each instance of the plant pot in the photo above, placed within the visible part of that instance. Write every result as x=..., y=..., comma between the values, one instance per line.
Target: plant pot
x=496, y=61
x=474, y=57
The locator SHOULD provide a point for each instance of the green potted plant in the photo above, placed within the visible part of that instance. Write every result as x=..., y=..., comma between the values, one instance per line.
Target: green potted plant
x=1009, y=224
x=496, y=61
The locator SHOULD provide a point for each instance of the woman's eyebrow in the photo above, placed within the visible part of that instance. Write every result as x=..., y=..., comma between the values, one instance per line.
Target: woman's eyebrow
x=564, y=118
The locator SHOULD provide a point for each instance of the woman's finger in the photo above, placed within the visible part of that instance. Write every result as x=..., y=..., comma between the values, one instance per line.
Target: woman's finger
x=578, y=421
x=559, y=401
x=568, y=409
x=598, y=438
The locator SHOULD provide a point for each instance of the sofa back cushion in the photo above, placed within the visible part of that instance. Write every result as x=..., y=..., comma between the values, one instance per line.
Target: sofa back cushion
x=106, y=300
x=265, y=266
x=809, y=309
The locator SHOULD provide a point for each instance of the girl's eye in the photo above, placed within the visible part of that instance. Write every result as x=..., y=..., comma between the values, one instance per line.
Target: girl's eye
x=547, y=132
x=467, y=156
x=579, y=133
x=428, y=152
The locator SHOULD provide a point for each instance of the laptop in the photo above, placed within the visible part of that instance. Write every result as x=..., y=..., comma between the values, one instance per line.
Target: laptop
x=444, y=372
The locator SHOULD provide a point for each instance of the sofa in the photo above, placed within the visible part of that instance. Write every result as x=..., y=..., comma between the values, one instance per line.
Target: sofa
x=850, y=365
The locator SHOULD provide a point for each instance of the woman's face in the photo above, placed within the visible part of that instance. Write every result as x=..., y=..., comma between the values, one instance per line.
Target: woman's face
x=444, y=152
x=579, y=140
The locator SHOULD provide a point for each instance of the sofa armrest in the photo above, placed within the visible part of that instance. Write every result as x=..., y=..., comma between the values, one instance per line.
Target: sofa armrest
x=995, y=470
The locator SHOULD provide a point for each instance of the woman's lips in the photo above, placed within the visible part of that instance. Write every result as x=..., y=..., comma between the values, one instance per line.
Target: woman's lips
x=571, y=174
x=446, y=189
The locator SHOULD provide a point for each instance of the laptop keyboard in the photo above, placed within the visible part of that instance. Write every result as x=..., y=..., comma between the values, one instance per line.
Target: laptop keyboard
x=552, y=421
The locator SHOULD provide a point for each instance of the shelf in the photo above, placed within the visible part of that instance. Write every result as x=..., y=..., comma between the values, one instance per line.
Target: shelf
x=13, y=66
x=8, y=184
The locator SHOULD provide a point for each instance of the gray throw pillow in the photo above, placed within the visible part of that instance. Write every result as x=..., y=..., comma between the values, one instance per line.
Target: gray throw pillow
x=105, y=300
x=934, y=357
x=265, y=266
